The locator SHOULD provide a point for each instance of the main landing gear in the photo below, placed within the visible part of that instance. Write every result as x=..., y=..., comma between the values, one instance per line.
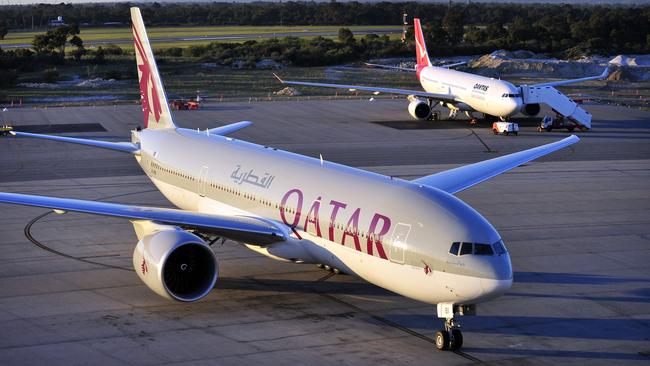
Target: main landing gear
x=451, y=338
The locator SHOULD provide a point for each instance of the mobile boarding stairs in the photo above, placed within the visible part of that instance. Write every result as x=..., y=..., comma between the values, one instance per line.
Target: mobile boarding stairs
x=559, y=102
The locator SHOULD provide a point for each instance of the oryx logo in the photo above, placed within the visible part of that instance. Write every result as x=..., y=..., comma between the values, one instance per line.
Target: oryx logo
x=148, y=92
x=143, y=267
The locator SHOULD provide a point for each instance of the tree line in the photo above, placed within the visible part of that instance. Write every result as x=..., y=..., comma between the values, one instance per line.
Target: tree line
x=460, y=28
x=561, y=30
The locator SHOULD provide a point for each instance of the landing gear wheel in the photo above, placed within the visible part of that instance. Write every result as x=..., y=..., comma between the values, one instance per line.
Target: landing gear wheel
x=456, y=341
x=495, y=131
x=442, y=340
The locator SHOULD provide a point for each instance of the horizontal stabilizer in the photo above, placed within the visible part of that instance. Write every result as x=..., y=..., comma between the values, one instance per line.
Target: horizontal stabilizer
x=128, y=147
x=228, y=129
x=458, y=179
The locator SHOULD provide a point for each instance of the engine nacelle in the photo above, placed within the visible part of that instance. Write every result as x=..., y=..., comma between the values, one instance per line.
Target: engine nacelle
x=419, y=109
x=532, y=109
x=176, y=264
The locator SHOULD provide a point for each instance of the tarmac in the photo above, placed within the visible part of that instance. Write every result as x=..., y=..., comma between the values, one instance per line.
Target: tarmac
x=576, y=223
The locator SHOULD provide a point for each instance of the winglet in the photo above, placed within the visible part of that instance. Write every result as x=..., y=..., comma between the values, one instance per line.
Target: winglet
x=277, y=77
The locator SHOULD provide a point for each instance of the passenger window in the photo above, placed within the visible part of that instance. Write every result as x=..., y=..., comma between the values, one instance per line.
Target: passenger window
x=454, y=248
x=483, y=249
x=466, y=248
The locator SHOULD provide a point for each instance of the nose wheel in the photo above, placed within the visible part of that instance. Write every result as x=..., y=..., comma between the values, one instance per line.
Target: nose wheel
x=450, y=338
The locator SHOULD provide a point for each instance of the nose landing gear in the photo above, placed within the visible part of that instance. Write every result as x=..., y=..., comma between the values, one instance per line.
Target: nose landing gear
x=451, y=338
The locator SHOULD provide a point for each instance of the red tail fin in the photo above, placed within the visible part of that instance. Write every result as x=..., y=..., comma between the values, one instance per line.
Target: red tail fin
x=420, y=47
x=154, y=101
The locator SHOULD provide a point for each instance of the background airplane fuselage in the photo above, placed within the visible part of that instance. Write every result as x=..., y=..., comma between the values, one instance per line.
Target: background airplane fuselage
x=390, y=232
x=480, y=93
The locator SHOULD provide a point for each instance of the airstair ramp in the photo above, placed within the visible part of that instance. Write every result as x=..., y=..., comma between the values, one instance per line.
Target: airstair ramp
x=559, y=102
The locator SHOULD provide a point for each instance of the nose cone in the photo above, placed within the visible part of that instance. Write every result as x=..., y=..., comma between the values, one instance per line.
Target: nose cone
x=500, y=279
x=494, y=288
x=515, y=106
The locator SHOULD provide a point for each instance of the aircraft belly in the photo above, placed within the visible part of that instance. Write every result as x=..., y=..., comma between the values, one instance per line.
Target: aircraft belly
x=180, y=197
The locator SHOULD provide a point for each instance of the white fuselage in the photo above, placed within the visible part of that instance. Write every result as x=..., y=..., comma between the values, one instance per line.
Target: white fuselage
x=473, y=92
x=388, y=231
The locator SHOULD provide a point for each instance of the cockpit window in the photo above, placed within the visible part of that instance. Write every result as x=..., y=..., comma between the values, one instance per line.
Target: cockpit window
x=466, y=248
x=499, y=247
x=483, y=249
x=477, y=248
x=508, y=95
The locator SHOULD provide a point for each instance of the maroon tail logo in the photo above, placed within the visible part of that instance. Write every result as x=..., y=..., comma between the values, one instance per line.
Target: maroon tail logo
x=146, y=82
x=143, y=267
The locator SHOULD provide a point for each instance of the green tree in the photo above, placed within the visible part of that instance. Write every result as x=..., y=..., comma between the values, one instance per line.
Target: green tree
x=346, y=35
x=495, y=31
x=55, y=40
x=520, y=31
x=454, y=24
x=3, y=31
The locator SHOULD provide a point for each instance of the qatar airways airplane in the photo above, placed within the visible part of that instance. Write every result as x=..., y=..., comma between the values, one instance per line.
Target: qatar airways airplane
x=415, y=238
x=461, y=91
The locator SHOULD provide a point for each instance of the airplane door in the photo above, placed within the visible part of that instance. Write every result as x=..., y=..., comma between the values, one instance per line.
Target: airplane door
x=398, y=243
x=203, y=177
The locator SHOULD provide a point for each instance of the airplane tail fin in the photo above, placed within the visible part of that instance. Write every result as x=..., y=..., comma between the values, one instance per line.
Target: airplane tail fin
x=420, y=47
x=152, y=94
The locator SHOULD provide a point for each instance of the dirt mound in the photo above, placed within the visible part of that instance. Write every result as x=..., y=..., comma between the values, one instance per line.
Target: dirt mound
x=95, y=83
x=638, y=60
x=525, y=63
x=627, y=73
x=288, y=92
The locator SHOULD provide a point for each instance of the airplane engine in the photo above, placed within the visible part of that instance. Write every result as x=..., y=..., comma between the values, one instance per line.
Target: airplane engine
x=531, y=109
x=176, y=264
x=419, y=108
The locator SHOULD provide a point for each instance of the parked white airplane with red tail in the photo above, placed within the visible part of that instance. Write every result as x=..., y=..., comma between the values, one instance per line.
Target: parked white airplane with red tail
x=415, y=238
x=469, y=93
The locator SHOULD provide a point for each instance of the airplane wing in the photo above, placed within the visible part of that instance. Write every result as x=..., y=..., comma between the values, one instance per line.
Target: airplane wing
x=250, y=230
x=572, y=81
x=458, y=179
x=379, y=66
x=410, y=69
x=127, y=147
x=417, y=93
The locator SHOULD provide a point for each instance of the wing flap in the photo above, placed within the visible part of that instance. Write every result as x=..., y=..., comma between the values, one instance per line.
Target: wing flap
x=127, y=147
x=251, y=230
x=458, y=179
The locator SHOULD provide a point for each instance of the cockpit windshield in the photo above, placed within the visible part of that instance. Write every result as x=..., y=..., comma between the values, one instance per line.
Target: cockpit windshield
x=509, y=95
x=465, y=248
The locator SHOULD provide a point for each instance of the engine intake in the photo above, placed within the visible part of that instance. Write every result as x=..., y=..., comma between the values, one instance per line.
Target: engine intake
x=176, y=264
x=531, y=109
x=419, y=109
